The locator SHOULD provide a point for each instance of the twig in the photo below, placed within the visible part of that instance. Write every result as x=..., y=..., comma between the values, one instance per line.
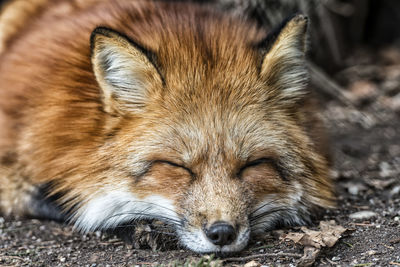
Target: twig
x=329, y=29
x=343, y=9
x=348, y=244
x=11, y=257
x=321, y=80
x=386, y=246
x=264, y=255
x=395, y=241
x=394, y=263
x=362, y=224
x=261, y=247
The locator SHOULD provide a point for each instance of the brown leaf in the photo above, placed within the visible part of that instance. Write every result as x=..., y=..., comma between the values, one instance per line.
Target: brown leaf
x=309, y=257
x=331, y=232
x=328, y=235
x=295, y=237
x=312, y=238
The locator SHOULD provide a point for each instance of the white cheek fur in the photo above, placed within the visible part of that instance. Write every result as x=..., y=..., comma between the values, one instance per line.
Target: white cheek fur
x=116, y=207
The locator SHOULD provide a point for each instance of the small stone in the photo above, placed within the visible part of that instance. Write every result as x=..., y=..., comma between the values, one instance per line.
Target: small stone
x=395, y=191
x=353, y=190
x=385, y=169
x=98, y=234
x=363, y=215
x=62, y=259
x=252, y=264
x=335, y=258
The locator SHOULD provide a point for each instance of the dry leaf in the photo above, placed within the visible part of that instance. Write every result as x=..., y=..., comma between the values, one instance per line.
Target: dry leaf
x=312, y=238
x=331, y=232
x=328, y=235
x=295, y=237
x=309, y=257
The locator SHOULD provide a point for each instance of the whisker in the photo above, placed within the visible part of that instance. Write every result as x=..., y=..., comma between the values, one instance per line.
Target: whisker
x=146, y=213
x=148, y=216
x=262, y=206
x=270, y=211
x=254, y=220
x=157, y=205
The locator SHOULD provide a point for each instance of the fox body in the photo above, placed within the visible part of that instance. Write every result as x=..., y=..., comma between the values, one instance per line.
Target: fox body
x=124, y=110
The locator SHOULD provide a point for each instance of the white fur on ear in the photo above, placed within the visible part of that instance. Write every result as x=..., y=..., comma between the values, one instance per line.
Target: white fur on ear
x=122, y=70
x=284, y=67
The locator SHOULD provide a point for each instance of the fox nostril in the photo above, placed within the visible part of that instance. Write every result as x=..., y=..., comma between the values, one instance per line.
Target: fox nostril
x=221, y=233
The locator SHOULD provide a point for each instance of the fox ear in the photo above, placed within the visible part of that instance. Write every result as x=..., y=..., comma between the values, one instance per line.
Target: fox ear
x=284, y=66
x=123, y=70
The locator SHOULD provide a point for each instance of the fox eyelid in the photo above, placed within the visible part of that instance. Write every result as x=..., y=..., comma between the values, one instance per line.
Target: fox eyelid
x=273, y=162
x=192, y=174
x=254, y=163
x=259, y=161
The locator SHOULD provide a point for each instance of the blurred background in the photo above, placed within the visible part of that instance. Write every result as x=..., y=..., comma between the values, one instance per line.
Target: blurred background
x=343, y=34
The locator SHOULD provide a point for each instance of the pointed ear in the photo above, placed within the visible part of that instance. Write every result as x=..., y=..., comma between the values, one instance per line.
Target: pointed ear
x=284, y=66
x=123, y=70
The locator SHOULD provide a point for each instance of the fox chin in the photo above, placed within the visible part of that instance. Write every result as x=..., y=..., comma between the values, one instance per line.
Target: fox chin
x=113, y=111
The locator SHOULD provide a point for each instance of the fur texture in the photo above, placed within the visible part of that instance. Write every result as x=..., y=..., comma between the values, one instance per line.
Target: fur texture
x=170, y=111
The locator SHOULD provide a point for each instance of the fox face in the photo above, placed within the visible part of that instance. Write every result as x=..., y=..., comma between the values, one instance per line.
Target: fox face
x=219, y=155
x=214, y=136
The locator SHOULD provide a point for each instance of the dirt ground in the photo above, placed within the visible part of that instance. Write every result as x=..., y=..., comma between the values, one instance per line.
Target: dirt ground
x=366, y=147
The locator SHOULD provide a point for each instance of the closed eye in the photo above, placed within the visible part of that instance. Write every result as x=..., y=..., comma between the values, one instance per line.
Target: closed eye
x=272, y=162
x=173, y=164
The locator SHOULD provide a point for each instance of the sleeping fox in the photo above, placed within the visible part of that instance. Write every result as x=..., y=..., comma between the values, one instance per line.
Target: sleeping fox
x=112, y=111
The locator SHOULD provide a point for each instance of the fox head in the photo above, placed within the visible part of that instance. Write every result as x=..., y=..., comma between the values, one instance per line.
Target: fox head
x=207, y=135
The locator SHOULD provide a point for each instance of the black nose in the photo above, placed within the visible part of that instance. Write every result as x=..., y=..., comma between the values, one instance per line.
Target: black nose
x=221, y=233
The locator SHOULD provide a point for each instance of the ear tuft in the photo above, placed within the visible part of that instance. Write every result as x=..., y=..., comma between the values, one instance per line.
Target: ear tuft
x=284, y=67
x=123, y=71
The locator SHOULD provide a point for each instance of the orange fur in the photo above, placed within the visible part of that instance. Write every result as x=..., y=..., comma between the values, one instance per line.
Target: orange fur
x=208, y=105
